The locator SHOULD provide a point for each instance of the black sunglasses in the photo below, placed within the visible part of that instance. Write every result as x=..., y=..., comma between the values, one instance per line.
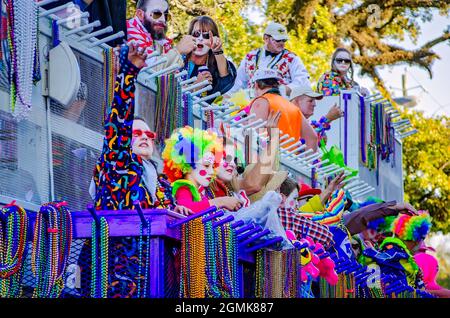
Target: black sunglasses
x=197, y=34
x=279, y=41
x=346, y=61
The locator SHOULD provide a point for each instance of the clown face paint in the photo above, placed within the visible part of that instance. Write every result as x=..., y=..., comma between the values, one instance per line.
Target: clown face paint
x=202, y=40
x=342, y=67
x=227, y=169
x=155, y=18
x=204, y=170
x=291, y=200
x=142, y=145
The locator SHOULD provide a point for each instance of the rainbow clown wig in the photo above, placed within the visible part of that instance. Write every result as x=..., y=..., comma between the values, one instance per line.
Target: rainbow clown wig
x=412, y=227
x=185, y=147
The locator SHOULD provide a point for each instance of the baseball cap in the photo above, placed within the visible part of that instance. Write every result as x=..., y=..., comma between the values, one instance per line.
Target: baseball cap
x=303, y=90
x=277, y=31
x=265, y=73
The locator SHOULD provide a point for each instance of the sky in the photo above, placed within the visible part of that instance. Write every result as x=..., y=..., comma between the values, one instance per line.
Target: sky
x=435, y=98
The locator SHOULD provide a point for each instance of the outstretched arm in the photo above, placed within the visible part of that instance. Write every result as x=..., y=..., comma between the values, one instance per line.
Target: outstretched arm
x=119, y=120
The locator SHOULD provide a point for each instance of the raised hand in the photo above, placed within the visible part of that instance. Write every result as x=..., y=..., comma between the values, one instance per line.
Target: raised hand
x=405, y=208
x=334, y=113
x=334, y=185
x=215, y=42
x=183, y=210
x=186, y=45
x=136, y=55
x=205, y=75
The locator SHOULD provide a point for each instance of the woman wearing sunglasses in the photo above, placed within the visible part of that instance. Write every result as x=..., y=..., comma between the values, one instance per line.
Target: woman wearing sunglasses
x=341, y=75
x=207, y=60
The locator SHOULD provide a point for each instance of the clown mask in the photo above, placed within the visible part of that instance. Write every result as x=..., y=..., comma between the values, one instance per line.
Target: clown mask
x=202, y=40
x=291, y=201
x=155, y=18
x=227, y=169
x=342, y=62
x=204, y=170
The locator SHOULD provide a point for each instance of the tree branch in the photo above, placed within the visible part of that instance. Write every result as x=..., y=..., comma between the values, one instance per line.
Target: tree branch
x=444, y=37
x=190, y=7
x=302, y=14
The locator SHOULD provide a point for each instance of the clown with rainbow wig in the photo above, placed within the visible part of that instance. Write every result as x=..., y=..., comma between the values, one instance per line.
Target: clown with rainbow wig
x=191, y=159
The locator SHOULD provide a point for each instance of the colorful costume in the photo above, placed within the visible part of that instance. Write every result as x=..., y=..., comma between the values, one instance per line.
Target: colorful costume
x=119, y=180
x=188, y=195
x=185, y=147
x=288, y=64
x=304, y=227
x=118, y=173
x=331, y=83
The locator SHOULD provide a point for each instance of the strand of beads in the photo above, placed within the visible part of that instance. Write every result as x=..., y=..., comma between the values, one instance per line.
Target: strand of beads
x=190, y=111
x=232, y=260
x=362, y=133
x=13, y=238
x=212, y=288
x=259, y=273
x=193, y=255
x=100, y=259
x=23, y=40
x=144, y=264
x=109, y=74
x=51, y=249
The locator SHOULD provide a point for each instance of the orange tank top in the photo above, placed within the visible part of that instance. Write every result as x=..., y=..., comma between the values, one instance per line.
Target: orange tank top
x=291, y=117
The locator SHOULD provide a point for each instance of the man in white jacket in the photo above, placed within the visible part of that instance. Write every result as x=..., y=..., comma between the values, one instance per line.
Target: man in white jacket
x=272, y=56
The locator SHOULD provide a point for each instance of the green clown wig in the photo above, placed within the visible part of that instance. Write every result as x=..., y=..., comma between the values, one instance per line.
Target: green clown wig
x=185, y=147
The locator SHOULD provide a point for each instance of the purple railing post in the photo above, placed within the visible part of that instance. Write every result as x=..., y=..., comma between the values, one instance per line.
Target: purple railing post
x=157, y=268
x=251, y=232
x=91, y=209
x=191, y=217
x=223, y=221
x=237, y=224
x=213, y=216
x=254, y=238
x=264, y=244
x=244, y=229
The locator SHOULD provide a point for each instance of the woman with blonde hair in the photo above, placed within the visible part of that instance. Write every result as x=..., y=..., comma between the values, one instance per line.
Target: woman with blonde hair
x=341, y=75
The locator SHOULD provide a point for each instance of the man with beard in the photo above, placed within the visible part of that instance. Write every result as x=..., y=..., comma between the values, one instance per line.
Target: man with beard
x=148, y=30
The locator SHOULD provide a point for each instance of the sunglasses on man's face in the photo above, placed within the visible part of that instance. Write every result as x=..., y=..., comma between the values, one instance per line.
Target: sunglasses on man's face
x=197, y=34
x=156, y=14
x=346, y=61
x=148, y=133
x=279, y=41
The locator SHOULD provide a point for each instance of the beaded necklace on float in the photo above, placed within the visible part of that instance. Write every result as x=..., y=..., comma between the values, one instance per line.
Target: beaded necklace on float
x=278, y=274
x=164, y=194
x=227, y=261
x=193, y=255
x=212, y=286
x=100, y=258
x=22, y=41
x=109, y=77
x=144, y=267
x=166, y=116
x=51, y=249
x=13, y=242
x=362, y=133
x=372, y=145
